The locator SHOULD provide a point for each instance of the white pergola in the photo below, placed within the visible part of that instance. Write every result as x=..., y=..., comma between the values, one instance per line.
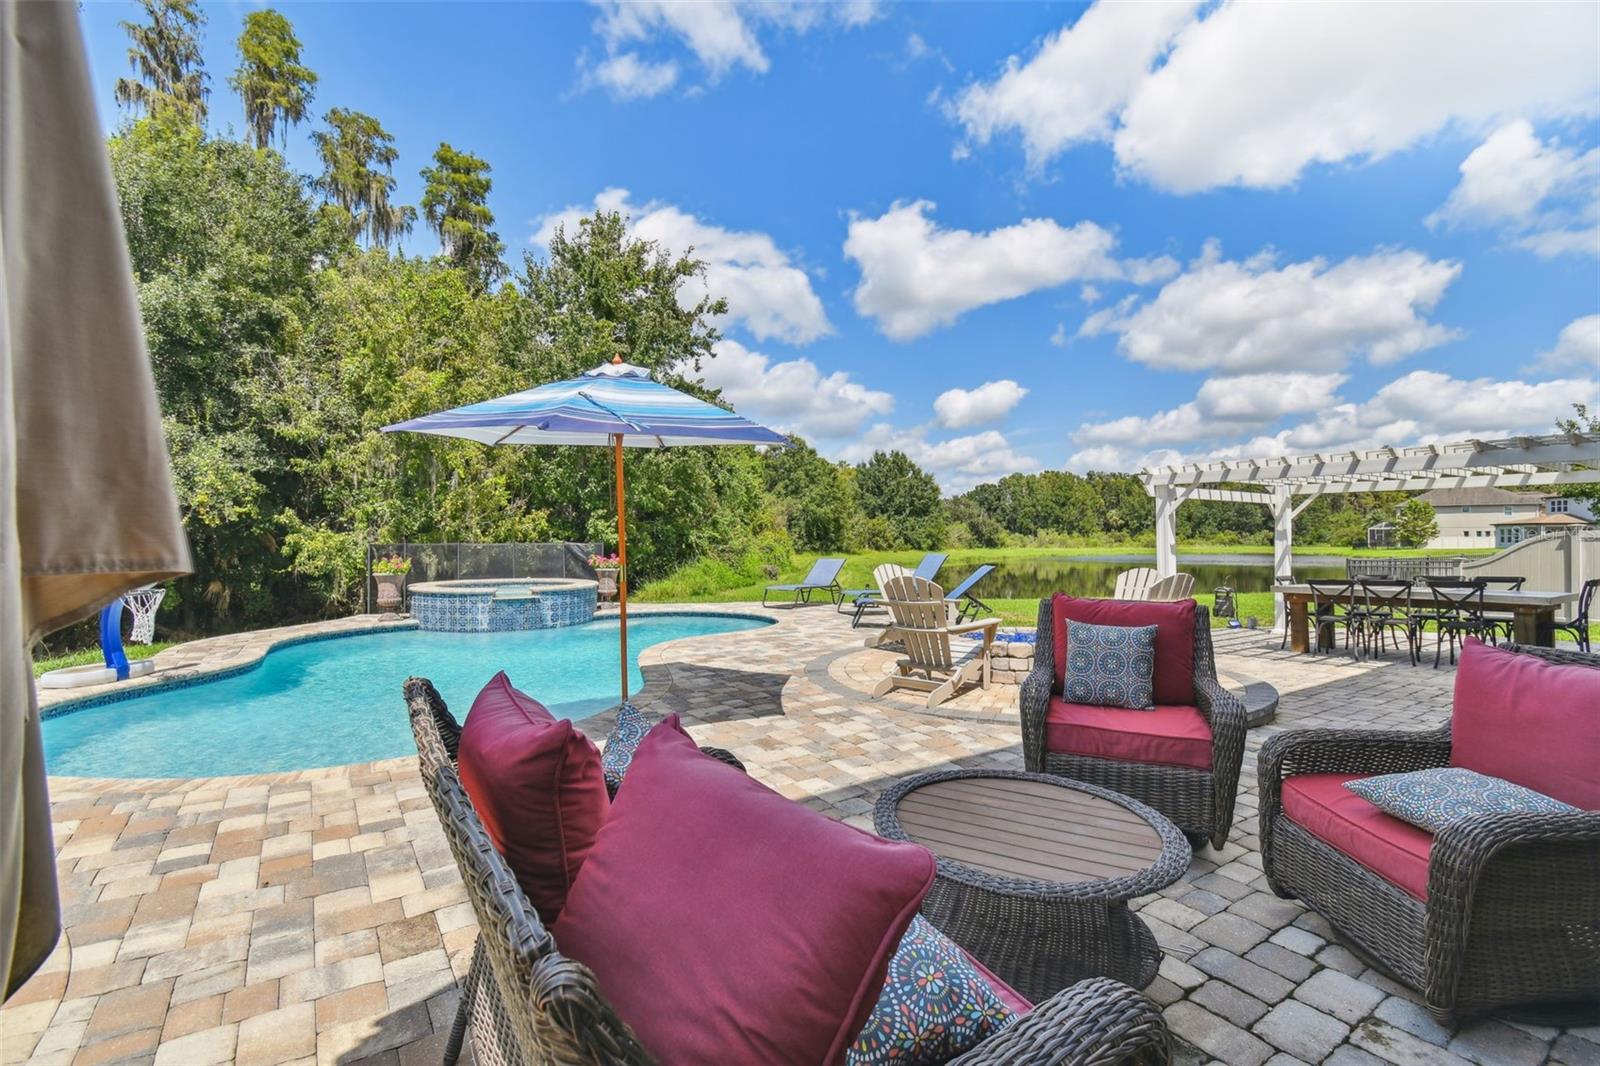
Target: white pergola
x=1288, y=485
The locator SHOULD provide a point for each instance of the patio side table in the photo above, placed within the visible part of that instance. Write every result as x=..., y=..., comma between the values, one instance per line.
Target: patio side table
x=1035, y=872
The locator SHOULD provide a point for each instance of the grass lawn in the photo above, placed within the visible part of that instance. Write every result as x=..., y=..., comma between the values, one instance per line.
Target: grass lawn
x=92, y=655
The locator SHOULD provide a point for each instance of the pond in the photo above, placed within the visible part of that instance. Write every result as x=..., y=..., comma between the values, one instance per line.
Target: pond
x=1037, y=576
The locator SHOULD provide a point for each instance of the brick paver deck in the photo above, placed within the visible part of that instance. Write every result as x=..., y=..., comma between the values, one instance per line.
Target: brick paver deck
x=316, y=917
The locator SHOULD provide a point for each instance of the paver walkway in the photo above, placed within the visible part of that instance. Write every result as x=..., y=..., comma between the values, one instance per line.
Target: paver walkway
x=317, y=917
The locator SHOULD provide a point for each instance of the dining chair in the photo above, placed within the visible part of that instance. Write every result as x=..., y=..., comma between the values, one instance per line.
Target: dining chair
x=1579, y=625
x=1332, y=606
x=1457, y=612
x=1386, y=610
x=1503, y=620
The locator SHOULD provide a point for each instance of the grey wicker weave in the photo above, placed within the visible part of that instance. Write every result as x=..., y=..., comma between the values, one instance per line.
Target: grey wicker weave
x=1513, y=909
x=523, y=1003
x=1040, y=936
x=1200, y=802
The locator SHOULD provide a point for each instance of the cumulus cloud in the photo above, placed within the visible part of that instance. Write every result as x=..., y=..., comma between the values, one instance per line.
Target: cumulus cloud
x=957, y=463
x=1543, y=195
x=963, y=408
x=1223, y=406
x=1255, y=315
x=1577, y=348
x=793, y=395
x=1253, y=93
x=767, y=293
x=917, y=276
x=721, y=34
x=1422, y=407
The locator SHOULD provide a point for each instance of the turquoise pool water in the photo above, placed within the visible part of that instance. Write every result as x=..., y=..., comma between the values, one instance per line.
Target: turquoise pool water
x=332, y=702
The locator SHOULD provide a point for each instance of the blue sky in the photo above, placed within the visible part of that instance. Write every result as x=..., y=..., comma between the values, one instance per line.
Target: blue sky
x=1039, y=236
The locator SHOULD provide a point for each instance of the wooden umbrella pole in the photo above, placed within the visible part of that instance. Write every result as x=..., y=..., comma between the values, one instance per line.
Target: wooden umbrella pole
x=622, y=561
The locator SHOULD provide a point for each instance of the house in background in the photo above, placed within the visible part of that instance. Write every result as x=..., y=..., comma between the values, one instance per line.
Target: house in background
x=1554, y=505
x=1516, y=530
x=1467, y=517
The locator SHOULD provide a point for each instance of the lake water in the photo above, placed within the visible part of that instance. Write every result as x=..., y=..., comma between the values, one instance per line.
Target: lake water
x=1097, y=575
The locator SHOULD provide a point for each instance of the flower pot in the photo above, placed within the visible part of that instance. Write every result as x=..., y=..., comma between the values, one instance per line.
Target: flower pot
x=391, y=592
x=607, y=578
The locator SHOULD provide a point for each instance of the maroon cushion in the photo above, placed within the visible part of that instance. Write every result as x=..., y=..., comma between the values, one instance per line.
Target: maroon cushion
x=1528, y=721
x=1004, y=992
x=1174, y=622
x=1394, y=850
x=1171, y=736
x=536, y=784
x=729, y=924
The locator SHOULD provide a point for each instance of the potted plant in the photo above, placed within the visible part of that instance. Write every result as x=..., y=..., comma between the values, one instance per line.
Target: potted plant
x=607, y=571
x=390, y=571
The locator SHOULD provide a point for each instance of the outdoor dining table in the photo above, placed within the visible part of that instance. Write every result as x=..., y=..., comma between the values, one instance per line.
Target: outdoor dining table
x=1533, y=612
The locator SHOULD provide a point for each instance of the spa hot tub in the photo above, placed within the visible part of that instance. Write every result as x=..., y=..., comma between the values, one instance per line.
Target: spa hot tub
x=502, y=605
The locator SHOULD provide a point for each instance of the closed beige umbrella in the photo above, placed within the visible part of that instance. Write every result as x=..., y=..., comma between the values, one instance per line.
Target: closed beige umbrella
x=87, y=509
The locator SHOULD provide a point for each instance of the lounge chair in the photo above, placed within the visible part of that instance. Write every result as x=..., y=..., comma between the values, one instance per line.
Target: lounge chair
x=961, y=600
x=864, y=600
x=922, y=623
x=1168, y=589
x=1134, y=584
x=824, y=577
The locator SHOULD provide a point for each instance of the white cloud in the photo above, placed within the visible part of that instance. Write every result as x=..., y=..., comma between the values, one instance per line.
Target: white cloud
x=793, y=396
x=1255, y=92
x=767, y=293
x=1577, y=348
x=963, y=408
x=1422, y=407
x=1545, y=196
x=957, y=463
x=722, y=34
x=628, y=77
x=1079, y=78
x=1223, y=406
x=917, y=276
x=1254, y=315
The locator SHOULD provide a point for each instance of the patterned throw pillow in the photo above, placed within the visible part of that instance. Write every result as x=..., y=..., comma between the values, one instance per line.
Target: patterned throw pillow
x=935, y=1005
x=623, y=740
x=1434, y=799
x=1111, y=666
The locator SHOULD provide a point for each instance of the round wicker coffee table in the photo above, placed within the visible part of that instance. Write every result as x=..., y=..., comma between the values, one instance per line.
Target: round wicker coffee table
x=1035, y=872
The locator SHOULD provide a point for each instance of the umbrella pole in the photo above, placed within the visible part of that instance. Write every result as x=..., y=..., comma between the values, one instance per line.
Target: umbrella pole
x=622, y=561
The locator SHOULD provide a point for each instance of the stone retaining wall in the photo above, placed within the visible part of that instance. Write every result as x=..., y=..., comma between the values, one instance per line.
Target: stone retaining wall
x=1012, y=660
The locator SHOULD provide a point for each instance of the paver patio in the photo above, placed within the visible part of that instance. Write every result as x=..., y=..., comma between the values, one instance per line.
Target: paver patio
x=316, y=917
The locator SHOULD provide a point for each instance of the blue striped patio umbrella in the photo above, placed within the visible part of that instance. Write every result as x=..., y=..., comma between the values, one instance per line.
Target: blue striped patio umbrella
x=617, y=405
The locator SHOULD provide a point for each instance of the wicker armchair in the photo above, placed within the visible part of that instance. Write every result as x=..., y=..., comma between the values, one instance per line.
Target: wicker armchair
x=1512, y=914
x=1200, y=802
x=524, y=1004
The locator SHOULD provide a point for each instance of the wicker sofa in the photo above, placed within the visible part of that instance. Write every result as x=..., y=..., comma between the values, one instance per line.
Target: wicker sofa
x=523, y=1002
x=1511, y=908
x=1198, y=801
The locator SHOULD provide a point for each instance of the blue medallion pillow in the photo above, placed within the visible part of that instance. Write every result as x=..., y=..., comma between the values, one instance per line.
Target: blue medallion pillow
x=935, y=1005
x=1111, y=666
x=1434, y=799
x=623, y=740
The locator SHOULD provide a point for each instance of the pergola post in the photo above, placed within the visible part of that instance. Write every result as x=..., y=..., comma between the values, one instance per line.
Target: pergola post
x=1166, y=530
x=1283, y=513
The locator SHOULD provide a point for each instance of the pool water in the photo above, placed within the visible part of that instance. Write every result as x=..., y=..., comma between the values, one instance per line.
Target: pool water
x=333, y=702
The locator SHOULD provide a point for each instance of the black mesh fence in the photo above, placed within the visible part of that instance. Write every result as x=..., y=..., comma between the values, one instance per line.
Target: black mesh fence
x=460, y=560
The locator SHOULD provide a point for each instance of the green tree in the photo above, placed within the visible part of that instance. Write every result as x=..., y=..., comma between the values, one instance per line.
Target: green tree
x=166, y=62
x=455, y=201
x=1416, y=524
x=358, y=157
x=895, y=493
x=1581, y=422
x=274, y=85
x=815, y=499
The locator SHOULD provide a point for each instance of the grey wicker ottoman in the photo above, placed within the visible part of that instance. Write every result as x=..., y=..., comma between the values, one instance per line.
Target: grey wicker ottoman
x=1035, y=871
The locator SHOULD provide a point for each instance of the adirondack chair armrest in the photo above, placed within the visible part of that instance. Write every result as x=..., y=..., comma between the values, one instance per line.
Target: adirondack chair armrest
x=991, y=624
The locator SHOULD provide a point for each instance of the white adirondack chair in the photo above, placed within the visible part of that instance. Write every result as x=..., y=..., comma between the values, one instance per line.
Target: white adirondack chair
x=882, y=574
x=1135, y=584
x=1176, y=587
x=932, y=663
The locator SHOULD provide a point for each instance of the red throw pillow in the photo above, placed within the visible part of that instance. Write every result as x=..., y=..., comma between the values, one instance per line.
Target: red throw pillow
x=1528, y=721
x=727, y=924
x=1174, y=622
x=536, y=783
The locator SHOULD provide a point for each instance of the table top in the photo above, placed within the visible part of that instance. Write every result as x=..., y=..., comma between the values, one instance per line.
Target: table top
x=1031, y=828
x=1492, y=597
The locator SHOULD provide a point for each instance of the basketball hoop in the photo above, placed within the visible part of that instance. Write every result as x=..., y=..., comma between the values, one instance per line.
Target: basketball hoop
x=143, y=602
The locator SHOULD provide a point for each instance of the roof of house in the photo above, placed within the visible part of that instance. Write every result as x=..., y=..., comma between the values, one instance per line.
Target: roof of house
x=1544, y=520
x=1480, y=497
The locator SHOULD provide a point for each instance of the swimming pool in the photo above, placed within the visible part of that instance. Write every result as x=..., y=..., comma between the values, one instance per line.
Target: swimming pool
x=337, y=701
